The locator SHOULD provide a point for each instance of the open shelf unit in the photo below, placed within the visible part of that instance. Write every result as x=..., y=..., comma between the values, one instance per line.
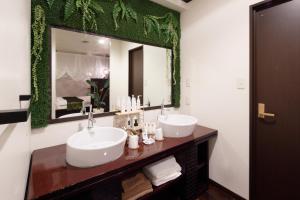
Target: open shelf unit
x=16, y=115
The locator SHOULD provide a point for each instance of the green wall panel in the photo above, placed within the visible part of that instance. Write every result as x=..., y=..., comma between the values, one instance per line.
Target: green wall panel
x=128, y=30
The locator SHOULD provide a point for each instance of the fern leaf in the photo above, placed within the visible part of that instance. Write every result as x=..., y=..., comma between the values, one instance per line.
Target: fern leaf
x=147, y=25
x=116, y=13
x=96, y=6
x=127, y=16
x=50, y=3
x=132, y=13
x=79, y=3
x=70, y=8
x=123, y=8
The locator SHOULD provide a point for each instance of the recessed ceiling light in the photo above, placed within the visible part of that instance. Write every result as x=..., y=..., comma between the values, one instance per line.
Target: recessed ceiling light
x=101, y=41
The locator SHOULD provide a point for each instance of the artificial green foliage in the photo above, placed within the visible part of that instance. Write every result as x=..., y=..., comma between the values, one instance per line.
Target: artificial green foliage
x=50, y=3
x=151, y=23
x=130, y=30
x=98, y=94
x=88, y=10
x=122, y=11
x=38, y=29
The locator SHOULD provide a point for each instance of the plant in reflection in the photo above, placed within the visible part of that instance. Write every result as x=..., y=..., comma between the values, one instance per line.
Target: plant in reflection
x=98, y=94
x=88, y=10
x=38, y=29
x=168, y=27
x=50, y=3
x=122, y=11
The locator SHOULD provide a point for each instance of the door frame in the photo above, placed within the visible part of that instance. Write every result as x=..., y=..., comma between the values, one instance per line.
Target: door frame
x=253, y=107
x=130, y=68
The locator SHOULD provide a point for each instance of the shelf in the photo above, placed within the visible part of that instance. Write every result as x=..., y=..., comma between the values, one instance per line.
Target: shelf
x=161, y=188
x=16, y=115
x=129, y=113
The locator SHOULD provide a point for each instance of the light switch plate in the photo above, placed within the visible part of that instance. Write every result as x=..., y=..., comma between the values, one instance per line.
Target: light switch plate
x=240, y=84
x=188, y=82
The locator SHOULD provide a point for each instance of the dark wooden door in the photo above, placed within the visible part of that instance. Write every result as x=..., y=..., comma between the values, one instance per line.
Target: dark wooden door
x=136, y=71
x=275, y=140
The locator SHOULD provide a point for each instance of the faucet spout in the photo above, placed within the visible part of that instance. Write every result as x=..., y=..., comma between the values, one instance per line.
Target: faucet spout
x=162, y=109
x=91, y=119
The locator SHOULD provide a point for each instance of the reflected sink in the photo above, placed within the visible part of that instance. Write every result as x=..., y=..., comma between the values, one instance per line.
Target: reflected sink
x=95, y=146
x=177, y=126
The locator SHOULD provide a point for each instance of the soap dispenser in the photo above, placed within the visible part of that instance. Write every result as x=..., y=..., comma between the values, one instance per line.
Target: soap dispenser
x=128, y=107
x=133, y=103
x=138, y=103
x=123, y=105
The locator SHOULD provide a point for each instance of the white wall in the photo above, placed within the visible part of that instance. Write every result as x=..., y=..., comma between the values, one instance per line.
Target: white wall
x=215, y=56
x=14, y=80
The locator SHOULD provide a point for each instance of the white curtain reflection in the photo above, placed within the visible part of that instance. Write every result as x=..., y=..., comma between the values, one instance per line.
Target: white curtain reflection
x=81, y=67
x=72, y=71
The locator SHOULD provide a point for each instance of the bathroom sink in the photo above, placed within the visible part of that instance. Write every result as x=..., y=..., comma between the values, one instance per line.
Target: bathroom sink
x=95, y=146
x=72, y=115
x=177, y=126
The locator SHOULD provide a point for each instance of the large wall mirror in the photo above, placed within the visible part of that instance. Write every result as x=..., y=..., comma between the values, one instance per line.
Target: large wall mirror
x=83, y=65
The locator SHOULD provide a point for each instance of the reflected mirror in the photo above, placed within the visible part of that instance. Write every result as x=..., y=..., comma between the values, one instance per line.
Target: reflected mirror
x=100, y=71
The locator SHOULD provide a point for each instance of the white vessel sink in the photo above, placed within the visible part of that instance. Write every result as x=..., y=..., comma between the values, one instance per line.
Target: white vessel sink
x=72, y=115
x=96, y=146
x=176, y=126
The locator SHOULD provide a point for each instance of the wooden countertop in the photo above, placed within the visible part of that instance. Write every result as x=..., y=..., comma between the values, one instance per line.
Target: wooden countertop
x=49, y=172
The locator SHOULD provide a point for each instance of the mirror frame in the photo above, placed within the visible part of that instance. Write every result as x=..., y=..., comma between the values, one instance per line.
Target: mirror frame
x=106, y=114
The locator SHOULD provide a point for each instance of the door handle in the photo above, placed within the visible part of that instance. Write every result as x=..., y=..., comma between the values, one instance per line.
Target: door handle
x=261, y=111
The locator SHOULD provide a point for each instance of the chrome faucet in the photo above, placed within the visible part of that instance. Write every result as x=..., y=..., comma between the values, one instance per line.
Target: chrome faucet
x=162, y=108
x=91, y=119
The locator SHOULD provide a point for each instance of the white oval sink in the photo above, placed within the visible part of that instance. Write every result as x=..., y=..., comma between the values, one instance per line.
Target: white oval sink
x=72, y=115
x=96, y=146
x=176, y=126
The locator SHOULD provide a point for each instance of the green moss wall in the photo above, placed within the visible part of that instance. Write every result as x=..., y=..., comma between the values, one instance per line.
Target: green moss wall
x=128, y=30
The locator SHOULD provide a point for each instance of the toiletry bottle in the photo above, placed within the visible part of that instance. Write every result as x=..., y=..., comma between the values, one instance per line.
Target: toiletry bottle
x=145, y=132
x=136, y=124
x=133, y=103
x=128, y=107
x=138, y=103
x=123, y=105
x=128, y=122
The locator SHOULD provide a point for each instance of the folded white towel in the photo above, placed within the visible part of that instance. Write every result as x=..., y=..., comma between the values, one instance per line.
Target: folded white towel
x=163, y=180
x=162, y=168
x=61, y=102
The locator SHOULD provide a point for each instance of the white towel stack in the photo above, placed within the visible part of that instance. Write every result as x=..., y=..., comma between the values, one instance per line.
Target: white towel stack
x=163, y=171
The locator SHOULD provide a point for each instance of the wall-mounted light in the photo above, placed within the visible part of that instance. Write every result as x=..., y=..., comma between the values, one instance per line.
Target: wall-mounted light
x=101, y=41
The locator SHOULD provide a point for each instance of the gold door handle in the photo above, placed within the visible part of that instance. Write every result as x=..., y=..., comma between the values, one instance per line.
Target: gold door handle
x=261, y=111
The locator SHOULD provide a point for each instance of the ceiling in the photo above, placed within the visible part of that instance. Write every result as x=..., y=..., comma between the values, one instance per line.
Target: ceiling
x=179, y=5
x=81, y=43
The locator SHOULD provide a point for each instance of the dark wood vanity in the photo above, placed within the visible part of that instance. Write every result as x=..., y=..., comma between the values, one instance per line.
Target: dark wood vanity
x=50, y=177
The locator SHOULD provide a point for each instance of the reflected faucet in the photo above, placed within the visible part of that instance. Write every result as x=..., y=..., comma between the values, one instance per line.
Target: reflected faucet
x=162, y=109
x=91, y=119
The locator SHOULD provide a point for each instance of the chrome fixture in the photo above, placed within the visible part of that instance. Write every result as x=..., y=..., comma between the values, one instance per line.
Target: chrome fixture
x=91, y=119
x=162, y=108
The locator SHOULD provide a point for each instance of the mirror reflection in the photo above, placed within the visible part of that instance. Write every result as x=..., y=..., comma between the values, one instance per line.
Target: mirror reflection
x=95, y=72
